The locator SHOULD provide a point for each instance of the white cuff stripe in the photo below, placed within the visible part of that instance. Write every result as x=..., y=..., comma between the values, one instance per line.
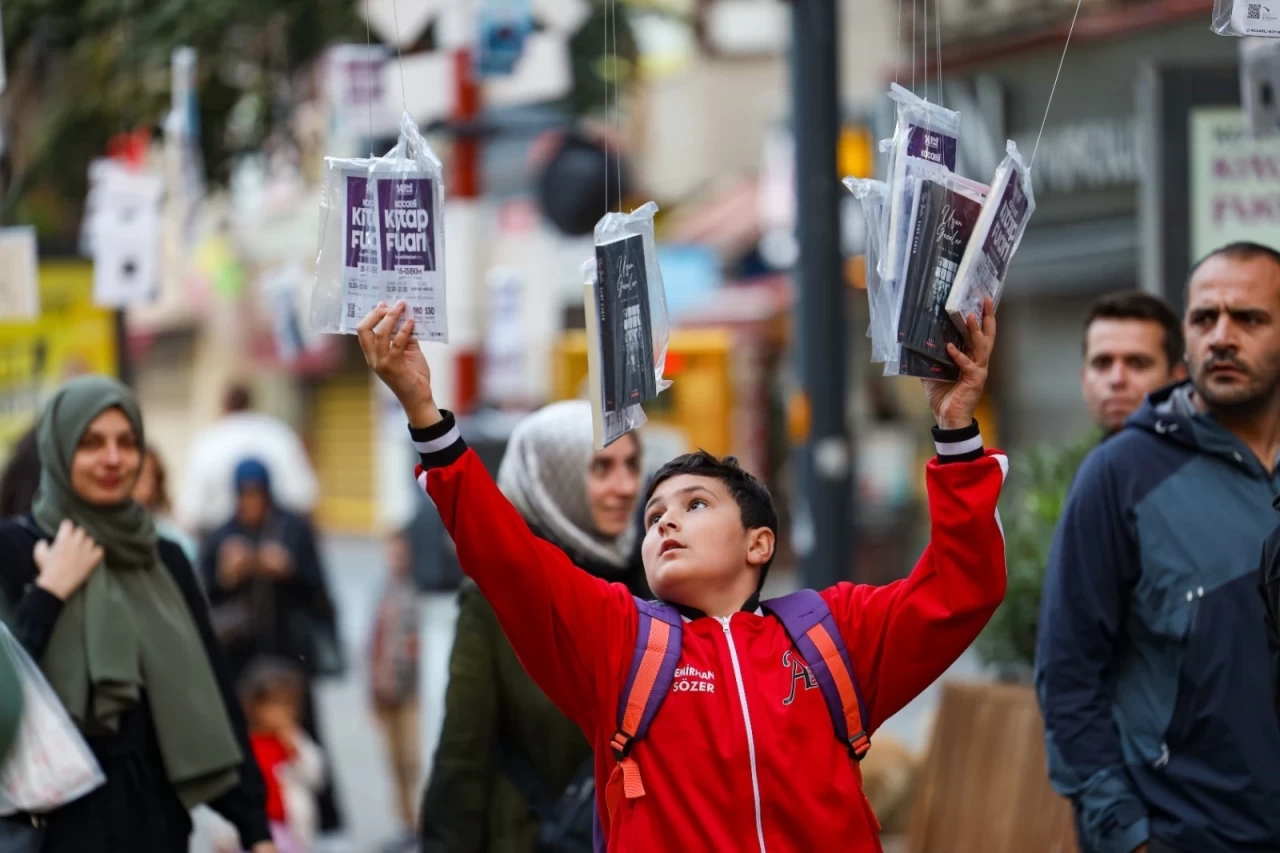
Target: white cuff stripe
x=959, y=448
x=444, y=442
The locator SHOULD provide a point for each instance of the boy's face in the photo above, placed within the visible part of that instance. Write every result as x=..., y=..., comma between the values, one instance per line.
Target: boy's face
x=276, y=713
x=695, y=543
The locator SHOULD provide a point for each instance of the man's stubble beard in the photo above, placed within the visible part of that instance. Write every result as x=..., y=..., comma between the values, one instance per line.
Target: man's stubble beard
x=1261, y=394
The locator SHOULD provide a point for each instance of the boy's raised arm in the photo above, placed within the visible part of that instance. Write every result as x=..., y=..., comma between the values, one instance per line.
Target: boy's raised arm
x=901, y=637
x=567, y=627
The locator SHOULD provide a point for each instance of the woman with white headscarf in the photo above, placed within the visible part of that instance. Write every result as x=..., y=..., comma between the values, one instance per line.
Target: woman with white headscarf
x=506, y=753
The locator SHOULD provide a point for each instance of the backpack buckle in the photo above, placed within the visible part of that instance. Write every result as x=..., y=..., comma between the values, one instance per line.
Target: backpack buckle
x=621, y=744
x=858, y=745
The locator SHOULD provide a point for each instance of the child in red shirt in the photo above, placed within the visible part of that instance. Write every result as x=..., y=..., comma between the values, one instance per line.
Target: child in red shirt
x=272, y=692
x=746, y=752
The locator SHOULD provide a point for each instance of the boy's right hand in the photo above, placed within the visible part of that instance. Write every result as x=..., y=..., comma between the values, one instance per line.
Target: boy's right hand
x=399, y=362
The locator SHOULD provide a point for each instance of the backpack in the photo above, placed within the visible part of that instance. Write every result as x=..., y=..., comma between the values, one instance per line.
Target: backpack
x=566, y=824
x=812, y=629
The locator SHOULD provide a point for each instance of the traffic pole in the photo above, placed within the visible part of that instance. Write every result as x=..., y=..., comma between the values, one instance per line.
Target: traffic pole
x=825, y=469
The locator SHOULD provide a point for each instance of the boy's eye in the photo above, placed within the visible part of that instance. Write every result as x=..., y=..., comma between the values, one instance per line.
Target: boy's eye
x=653, y=519
x=696, y=502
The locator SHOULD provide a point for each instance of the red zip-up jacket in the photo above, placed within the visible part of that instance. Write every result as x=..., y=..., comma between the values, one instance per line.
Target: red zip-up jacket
x=742, y=755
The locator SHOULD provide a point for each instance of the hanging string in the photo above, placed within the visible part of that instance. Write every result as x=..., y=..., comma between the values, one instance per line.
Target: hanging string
x=395, y=12
x=897, y=42
x=926, y=50
x=368, y=43
x=937, y=24
x=914, y=32
x=617, y=101
x=1032, y=164
x=604, y=76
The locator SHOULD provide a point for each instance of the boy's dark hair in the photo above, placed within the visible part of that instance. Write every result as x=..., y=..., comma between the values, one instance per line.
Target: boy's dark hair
x=21, y=476
x=238, y=399
x=755, y=504
x=267, y=677
x=1137, y=305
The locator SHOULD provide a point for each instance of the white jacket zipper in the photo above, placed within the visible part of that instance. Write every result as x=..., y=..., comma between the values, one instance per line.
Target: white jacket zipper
x=746, y=717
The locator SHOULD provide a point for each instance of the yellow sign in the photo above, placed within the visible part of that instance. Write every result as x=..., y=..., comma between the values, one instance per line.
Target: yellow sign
x=856, y=154
x=71, y=336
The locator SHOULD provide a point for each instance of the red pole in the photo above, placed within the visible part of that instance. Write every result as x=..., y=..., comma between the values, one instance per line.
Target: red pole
x=465, y=184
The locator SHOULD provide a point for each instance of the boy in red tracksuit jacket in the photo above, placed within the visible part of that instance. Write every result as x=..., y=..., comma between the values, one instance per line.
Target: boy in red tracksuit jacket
x=740, y=755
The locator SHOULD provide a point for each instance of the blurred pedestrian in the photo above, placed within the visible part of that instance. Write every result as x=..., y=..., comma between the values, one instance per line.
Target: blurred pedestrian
x=1132, y=346
x=21, y=476
x=506, y=753
x=207, y=499
x=152, y=491
x=269, y=595
x=393, y=668
x=1152, y=647
x=116, y=619
x=273, y=692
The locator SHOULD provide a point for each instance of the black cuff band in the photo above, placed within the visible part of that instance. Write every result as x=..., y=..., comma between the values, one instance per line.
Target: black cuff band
x=441, y=444
x=958, y=445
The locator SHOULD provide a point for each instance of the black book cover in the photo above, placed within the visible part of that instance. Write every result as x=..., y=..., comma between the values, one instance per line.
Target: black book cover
x=944, y=222
x=626, y=330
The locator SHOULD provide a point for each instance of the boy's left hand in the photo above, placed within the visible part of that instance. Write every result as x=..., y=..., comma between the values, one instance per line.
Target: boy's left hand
x=954, y=403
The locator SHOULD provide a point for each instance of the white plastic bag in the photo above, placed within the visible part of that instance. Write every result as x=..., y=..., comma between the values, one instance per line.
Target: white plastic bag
x=627, y=324
x=925, y=138
x=883, y=329
x=382, y=239
x=1259, y=18
x=49, y=764
x=1005, y=214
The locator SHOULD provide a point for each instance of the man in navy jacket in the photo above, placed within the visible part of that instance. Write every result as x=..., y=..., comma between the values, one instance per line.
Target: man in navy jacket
x=1152, y=652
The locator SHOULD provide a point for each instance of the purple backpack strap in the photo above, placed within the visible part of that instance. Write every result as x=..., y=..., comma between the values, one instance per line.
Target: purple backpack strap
x=808, y=621
x=650, y=612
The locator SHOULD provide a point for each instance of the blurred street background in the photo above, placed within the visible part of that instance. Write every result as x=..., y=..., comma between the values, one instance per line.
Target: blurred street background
x=160, y=192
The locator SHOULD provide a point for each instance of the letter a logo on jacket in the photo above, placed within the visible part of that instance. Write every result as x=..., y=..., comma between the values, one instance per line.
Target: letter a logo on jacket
x=799, y=673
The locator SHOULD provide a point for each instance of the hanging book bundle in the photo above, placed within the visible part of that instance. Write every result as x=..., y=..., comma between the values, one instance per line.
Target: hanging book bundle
x=996, y=237
x=381, y=239
x=627, y=324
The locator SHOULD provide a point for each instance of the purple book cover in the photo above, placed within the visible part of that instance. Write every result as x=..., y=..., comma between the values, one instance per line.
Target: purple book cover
x=406, y=211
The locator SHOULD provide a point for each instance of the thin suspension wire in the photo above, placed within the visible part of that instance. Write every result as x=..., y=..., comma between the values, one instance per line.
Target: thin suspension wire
x=404, y=100
x=937, y=23
x=1032, y=164
x=604, y=75
x=914, y=32
x=368, y=43
x=926, y=50
x=617, y=100
x=897, y=43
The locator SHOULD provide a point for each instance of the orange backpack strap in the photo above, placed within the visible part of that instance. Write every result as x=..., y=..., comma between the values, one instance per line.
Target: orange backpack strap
x=812, y=628
x=653, y=669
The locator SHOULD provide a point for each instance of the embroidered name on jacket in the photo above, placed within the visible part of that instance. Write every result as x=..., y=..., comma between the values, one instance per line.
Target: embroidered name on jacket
x=800, y=674
x=689, y=679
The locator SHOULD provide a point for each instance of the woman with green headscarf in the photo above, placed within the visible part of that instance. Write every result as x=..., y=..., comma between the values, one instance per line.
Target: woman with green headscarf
x=117, y=622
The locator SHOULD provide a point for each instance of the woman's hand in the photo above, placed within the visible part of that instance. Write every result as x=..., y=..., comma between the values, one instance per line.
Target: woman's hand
x=235, y=562
x=68, y=562
x=275, y=561
x=399, y=362
x=954, y=403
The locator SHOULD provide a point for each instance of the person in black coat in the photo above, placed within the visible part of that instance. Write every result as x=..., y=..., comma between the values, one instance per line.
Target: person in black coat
x=116, y=619
x=269, y=598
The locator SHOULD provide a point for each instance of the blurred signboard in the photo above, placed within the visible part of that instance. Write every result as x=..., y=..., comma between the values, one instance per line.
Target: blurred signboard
x=1235, y=181
x=71, y=336
x=1208, y=182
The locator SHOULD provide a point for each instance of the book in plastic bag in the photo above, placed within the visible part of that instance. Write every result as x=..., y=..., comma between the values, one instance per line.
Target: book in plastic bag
x=1259, y=18
x=381, y=239
x=925, y=139
x=49, y=764
x=627, y=324
x=995, y=239
x=943, y=218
